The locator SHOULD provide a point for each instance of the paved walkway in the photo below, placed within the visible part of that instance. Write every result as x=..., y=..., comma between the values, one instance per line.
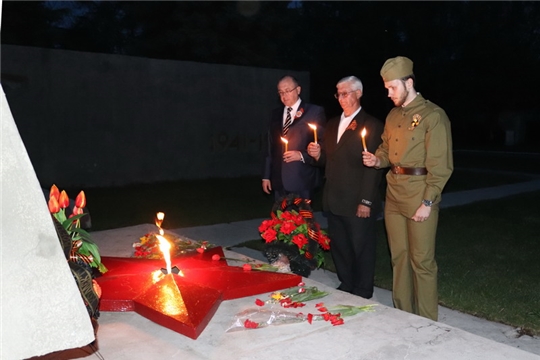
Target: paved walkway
x=231, y=234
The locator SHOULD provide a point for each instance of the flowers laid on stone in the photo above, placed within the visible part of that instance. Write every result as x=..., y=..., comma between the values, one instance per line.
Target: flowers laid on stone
x=81, y=253
x=148, y=246
x=293, y=235
x=270, y=312
x=83, y=248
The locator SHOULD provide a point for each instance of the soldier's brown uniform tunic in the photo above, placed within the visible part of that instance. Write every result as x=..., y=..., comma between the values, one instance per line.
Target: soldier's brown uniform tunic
x=417, y=135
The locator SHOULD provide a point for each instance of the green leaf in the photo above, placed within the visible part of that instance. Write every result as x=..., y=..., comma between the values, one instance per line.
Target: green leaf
x=85, y=235
x=350, y=310
x=90, y=249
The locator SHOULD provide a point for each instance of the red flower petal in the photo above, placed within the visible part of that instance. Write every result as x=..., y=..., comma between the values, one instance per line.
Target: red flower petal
x=216, y=257
x=250, y=324
x=319, y=304
x=322, y=309
x=54, y=193
x=309, y=318
x=200, y=250
x=247, y=267
x=54, y=207
x=64, y=200
x=80, y=201
x=259, y=302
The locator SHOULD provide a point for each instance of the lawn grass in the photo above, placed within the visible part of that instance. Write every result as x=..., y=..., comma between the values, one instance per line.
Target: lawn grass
x=205, y=202
x=488, y=256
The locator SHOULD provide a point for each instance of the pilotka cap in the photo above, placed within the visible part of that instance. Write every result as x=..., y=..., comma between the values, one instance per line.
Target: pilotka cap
x=396, y=68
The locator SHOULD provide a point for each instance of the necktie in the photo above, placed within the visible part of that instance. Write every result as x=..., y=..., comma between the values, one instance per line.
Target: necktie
x=288, y=121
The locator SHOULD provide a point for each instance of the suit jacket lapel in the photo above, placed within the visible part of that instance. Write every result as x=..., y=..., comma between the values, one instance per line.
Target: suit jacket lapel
x=348, y=134
x=294, y=119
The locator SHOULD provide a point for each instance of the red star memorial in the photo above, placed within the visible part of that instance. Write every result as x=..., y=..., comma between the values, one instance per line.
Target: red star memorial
x=185, y=301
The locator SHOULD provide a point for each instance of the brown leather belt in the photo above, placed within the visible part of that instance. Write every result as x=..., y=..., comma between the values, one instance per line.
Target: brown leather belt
x=400, y=170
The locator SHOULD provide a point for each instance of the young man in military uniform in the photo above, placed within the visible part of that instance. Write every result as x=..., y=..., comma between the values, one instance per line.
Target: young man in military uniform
x=417, y=146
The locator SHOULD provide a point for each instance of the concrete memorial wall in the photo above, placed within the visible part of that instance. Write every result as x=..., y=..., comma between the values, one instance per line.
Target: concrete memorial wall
x=90, y=119
x=41, y=309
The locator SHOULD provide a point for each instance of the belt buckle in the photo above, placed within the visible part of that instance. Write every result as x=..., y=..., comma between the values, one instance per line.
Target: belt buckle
x=396, y=170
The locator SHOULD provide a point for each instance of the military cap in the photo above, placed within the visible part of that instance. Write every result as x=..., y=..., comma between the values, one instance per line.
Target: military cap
x=396, y=68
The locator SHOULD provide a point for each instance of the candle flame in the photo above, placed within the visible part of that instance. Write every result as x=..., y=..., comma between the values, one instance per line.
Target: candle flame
x=363, y=134
x=314, y=127
x=165, y=248
x=284, y=140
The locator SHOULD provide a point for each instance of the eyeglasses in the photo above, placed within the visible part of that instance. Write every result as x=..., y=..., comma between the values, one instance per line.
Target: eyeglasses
x=285, y=92
x=343, y=95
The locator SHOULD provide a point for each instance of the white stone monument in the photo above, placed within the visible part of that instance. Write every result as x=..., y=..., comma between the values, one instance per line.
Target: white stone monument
x=41, y=309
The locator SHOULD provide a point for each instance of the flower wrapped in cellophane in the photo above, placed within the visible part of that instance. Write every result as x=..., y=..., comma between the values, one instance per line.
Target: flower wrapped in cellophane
x=279, y=310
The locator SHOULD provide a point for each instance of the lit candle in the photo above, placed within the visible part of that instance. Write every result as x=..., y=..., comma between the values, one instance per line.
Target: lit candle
x=286, y=142
x=314, y=127
x=363, y=134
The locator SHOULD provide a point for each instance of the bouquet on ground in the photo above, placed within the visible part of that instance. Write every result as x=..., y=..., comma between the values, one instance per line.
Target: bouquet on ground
x=271, y=312
x=148, y=246
x=293, y=236
x=81, y=252
x=83, y=248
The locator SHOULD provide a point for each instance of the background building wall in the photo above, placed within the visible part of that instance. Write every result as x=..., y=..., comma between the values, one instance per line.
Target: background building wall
x=90, y=119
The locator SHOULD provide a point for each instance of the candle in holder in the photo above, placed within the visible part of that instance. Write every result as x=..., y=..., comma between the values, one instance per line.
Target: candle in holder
x=314, y=127
x=363, y=134
x=286, y=142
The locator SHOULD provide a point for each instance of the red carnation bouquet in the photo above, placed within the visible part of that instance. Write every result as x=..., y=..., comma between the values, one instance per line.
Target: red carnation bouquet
x=293, y=232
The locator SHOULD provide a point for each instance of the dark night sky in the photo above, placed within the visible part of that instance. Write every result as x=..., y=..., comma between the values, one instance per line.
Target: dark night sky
x=475, y=59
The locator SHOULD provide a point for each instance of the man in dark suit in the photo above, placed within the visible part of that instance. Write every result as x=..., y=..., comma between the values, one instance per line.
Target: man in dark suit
x=351, y=193
x=292, y=171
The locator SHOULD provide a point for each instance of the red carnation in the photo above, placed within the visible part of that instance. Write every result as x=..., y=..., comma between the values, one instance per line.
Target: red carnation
x=269, y=235
x=300, y=240
x=287, y=227
x=265, y=225
x=287, y=215
x=250, y=324
x=299, y=220
x=324, y=241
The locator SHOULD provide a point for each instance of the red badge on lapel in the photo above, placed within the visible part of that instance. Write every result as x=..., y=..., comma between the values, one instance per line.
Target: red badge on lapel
x=352, y=126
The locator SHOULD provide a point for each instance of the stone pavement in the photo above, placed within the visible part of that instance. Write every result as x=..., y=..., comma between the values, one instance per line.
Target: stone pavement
x=450, y=338
x=231, y=234
x=386, y=333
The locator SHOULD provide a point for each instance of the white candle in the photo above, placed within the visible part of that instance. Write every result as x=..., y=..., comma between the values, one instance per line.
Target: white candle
x=363, y=134
x=314, y=131
x=286, y=142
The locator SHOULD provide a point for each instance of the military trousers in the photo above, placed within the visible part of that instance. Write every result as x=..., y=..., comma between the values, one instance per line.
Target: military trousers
x=412, y=247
